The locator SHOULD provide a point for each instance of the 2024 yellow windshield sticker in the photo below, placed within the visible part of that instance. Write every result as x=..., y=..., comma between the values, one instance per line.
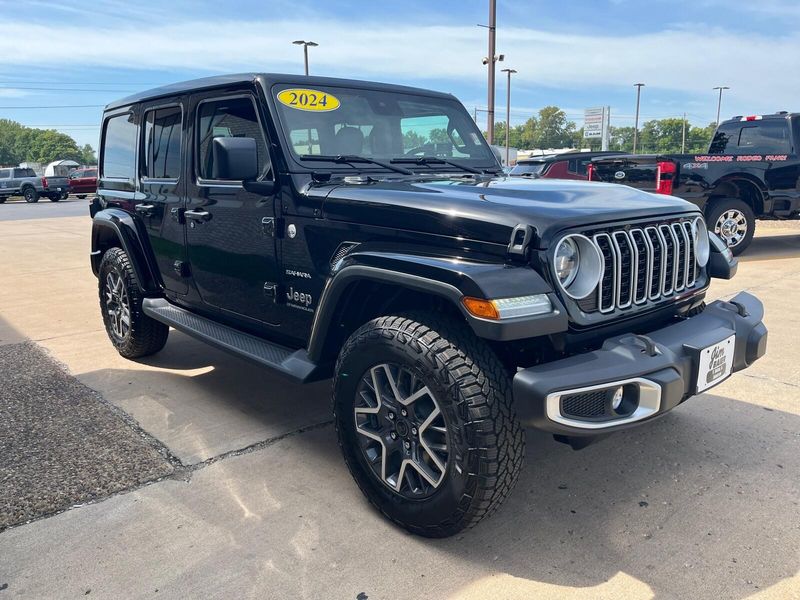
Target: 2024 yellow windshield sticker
x=313, y=100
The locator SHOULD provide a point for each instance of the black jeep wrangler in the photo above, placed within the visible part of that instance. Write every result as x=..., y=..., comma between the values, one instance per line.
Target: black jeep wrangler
x=325, y=227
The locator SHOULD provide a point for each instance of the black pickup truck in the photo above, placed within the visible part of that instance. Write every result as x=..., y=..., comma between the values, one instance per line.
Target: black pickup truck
x=751, y=171
x=291, y=221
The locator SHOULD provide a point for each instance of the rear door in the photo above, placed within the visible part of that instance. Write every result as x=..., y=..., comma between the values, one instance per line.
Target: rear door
x=231, y=248
x=160, y=181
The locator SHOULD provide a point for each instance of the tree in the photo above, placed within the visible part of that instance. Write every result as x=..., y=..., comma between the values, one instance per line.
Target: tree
x=20, y=144
x=553, y=130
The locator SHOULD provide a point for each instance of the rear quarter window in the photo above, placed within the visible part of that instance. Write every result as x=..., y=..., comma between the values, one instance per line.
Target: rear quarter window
x=5, y=173
x=118, y=160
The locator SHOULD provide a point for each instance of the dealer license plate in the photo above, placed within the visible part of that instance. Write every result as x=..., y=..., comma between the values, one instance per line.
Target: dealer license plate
x=716, y=363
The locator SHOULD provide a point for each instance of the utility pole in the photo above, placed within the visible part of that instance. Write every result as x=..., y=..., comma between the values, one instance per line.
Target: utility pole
x=491, y=61
x=683, y=135
x=719, y=102
x=508, y=110
x=305, y=46
x=638, y=87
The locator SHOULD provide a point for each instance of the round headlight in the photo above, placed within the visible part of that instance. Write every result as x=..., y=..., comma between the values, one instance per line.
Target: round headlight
x=567, y=257
x=578, y=265
x=701, y=244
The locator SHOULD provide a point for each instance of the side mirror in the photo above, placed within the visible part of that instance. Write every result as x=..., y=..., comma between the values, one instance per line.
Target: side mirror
x=234, y=158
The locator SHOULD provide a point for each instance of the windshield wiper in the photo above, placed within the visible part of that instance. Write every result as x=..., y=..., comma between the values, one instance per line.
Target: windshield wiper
x=348, y=159
x=434, y=160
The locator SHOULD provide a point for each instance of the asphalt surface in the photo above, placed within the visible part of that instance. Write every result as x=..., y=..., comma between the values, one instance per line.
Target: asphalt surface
x=16, y=209
x=703, y=503
x=60, y=444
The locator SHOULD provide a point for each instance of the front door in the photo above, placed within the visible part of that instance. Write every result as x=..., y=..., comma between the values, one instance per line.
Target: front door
x=232, y=251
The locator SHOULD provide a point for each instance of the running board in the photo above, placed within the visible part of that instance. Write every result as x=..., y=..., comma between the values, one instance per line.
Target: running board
x=292, y=363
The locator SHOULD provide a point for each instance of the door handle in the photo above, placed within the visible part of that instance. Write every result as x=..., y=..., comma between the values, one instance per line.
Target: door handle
x=144, y=209
x=197, y=215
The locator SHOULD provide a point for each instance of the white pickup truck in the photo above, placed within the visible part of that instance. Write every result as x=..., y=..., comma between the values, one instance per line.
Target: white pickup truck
x=19, y=181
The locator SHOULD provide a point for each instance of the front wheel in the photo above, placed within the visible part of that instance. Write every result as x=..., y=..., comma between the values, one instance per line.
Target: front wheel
x=132, y=332
x=734, y=221
x=425, y=420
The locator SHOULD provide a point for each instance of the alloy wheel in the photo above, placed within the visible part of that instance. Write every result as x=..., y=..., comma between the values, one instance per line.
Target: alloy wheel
x=731, y=226
x=402, y=432
x=117, y=305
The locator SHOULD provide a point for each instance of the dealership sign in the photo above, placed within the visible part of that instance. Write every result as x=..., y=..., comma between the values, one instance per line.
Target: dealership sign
x=595, y=124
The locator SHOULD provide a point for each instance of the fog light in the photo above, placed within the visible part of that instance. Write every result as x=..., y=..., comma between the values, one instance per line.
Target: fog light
x=616, y=399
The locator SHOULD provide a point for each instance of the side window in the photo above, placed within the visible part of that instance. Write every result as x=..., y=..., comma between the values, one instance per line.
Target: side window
x=572, y=166
x=162, y=143
x=765, y=136
x=90, y=173
x=119, y=148
x=232, y=117
x=428, y=135
x=725, y=139
x=5, y=173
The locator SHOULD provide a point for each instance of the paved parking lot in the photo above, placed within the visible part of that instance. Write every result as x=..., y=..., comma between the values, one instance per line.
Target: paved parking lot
x=704, y=503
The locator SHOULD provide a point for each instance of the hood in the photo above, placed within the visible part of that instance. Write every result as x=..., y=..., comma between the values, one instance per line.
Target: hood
x=488, y=210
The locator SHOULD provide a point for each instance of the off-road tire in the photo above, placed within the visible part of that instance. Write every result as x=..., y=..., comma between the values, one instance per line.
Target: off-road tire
x=30, y=194
x=55, y=198
x=720, y=206
x=145, y=336
x=473, y=390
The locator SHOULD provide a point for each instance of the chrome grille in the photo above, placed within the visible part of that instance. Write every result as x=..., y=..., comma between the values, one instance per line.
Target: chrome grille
x=647, y=263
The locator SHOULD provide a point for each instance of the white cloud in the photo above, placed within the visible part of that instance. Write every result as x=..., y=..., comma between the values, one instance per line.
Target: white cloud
x=759, y=69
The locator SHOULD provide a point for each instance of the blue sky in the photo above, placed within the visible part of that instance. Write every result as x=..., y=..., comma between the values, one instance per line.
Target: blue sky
x=572, y=53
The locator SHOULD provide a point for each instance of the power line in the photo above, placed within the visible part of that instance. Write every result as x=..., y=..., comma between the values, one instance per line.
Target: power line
x=54, y=106
x=61, y=89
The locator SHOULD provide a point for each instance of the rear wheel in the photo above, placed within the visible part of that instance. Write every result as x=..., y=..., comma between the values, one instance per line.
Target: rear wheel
x=734, y=221
x=30, y=194
x=133, y=333
x=423, y=410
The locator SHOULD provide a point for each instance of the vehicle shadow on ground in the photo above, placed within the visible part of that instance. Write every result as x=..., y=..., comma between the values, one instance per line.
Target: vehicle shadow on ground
x=210, y=402
x=768, y=247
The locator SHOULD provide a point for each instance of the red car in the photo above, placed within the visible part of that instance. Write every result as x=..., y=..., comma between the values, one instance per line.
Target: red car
x=83, y=182
x=567, y=165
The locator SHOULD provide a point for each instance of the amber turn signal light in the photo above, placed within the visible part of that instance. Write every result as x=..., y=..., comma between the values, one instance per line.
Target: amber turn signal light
x=480, y=308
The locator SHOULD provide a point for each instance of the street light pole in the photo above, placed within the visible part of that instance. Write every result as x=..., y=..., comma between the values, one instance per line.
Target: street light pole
x=638, y=87
x=508, y=110
x=305, y=46
x=490, y=56
x=719, y=102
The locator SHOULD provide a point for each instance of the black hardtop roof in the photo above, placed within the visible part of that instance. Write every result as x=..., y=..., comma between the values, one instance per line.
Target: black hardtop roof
x=268, y=79
x=778, y=115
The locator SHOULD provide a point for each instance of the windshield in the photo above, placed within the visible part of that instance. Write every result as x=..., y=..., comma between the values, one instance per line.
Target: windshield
x=379, y=125
x=527, y=168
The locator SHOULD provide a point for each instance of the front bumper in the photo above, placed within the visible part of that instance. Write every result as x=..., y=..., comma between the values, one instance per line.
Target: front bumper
x=662, y=367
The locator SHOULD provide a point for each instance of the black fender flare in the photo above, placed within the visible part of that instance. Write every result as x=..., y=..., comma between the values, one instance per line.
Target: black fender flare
x=448, y=278
x=115, y=227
